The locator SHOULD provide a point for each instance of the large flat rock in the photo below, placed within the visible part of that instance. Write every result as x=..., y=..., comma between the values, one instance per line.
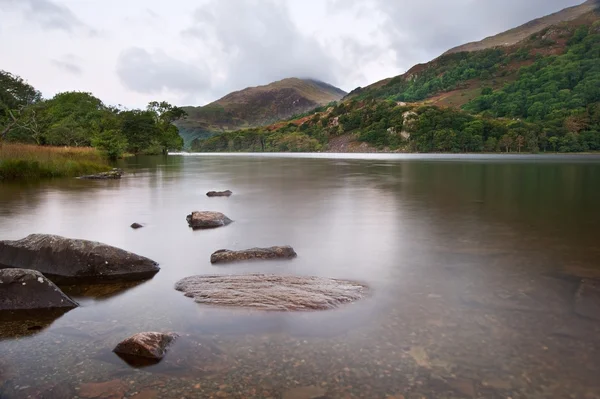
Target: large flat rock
x=66, y=260
x=22, y=289
x=271, y=292
x=226, y=255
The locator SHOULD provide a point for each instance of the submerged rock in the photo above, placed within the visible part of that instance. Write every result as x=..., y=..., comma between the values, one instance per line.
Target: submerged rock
x=23, y=289
x=113, y=174
x=271, y=292
x=219, y=193
x=66, y=260
x=225, y=255
x=207, y=220
x=587, y=299
x=136, y=226
x=151, y=345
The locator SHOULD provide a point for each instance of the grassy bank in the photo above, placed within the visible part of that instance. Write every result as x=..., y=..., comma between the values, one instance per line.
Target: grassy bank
x=24, y=161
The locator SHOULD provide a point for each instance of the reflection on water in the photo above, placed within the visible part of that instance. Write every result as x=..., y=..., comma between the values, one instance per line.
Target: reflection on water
x=476, y=266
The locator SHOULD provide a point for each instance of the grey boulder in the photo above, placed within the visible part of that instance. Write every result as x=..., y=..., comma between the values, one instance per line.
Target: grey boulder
x=226, y=193
x=22, y=289
x=65, y=260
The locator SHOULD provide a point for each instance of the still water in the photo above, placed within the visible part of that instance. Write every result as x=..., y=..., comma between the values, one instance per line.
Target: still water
x=474, y=264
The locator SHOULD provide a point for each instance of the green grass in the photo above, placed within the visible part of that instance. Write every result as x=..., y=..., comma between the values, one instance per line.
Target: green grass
x=28, y=162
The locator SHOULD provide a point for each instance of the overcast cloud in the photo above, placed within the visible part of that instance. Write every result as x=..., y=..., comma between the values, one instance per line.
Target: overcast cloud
x=192, y=52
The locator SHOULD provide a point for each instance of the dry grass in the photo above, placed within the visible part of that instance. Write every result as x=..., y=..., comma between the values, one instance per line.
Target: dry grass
x=25, y=161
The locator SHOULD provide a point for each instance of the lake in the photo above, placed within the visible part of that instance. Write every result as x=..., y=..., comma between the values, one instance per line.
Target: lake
x=475, y=265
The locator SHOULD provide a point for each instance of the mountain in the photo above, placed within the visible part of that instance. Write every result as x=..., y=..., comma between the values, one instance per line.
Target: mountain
x=257, y=106
x=514, y=36
x=541, y=93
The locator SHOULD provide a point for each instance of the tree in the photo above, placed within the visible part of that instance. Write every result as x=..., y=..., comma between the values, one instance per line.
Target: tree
x=15, y=96
x=111, y=143
x=506, y=142
x=553, y=142
x=520, y=141
x=168, y=135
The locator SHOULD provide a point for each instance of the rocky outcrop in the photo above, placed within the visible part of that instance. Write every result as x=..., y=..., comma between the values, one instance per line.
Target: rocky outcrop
x=226, y=193
x=136, y=226
x=23, y=289
x=65, y=260
x=271, y=292
x=207, y=220
x=225, y=255
x=151, y=345
x=110, y=175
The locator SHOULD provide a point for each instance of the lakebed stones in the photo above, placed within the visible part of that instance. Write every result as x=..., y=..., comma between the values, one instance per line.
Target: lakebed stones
x=149, y=345
x=22, y=289
x=587, y=299
x=207, y=220
x=271, y=292
x=226, y=256
x=226, y=193
x=110, y=175
x=65, y=260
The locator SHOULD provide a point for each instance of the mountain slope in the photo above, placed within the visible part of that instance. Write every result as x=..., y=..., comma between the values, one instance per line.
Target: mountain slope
x=256, y=106
x=514, y=36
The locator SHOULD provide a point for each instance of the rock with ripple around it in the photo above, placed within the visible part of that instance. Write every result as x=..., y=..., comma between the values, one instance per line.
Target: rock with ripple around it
x=207, y=220
x=152, y=345
x=225, y=255
x=23, y=289
x=271, y=292
x=66, y=260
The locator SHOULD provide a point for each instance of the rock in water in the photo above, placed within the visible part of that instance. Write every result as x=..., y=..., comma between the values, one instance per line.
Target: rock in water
x=587, y=299
x=219, y=193
x=207, y=220
x=137, y=226
x=113, y=174
x=271, y=292
x=65, y=260
x=152, y=345
x=225, y=255
x=22, y=289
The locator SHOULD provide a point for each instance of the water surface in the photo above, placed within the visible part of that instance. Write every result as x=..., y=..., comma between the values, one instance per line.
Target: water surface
x=474, y=263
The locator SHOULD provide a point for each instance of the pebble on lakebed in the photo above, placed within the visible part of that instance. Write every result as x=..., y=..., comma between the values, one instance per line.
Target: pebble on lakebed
x=271, y=292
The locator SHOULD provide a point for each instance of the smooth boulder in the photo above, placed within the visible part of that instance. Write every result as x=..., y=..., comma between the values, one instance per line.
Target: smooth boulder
x=23, y=289
x=271, y=292
x=226, y=255
x=65, y=260
x=151, y=345
x=110, y=175
x=207, y=220
x=226, y=193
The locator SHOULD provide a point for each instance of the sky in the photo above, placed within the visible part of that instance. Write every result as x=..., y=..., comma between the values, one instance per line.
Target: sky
x=192, y=52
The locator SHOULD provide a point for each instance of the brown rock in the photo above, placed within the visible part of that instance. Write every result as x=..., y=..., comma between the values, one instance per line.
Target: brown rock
x=137, y=226
x=22, y=289
x=308, y=392
x=147, y=393
x=225, y=255
x=219, y=193
x=65, y=260
x=271, y=292
x=463, y=386
x=207, y=220
x=152, y=345
x=587, y=299
x=114, y=389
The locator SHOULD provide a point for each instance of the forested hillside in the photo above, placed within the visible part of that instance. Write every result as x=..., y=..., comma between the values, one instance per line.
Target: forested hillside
x=542, y=94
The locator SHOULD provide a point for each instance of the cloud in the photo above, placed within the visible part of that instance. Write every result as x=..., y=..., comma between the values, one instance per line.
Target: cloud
x=68, y=63
x=151, y=73
x=257, y=44
x=49, y=15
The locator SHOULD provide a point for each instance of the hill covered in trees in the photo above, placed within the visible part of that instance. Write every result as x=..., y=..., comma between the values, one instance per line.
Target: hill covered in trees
x=257, y=106
x=77, y=119
x=541, y=94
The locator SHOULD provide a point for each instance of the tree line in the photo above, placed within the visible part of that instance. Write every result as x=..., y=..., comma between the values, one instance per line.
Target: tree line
x=79, y=119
